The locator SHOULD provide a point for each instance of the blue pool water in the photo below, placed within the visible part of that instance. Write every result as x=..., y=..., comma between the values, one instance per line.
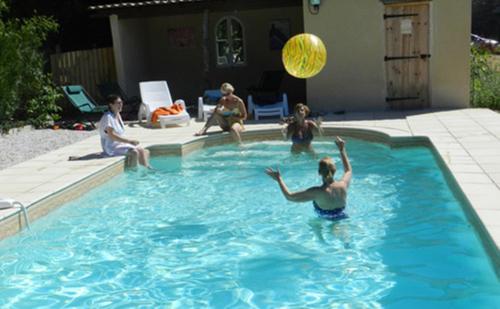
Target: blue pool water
x=211, y=230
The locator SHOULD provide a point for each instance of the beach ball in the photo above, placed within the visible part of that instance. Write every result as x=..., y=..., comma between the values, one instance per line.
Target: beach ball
x=304, y=55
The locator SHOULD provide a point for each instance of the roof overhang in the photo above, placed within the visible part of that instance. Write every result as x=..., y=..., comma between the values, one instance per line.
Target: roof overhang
x=402, y=1
x=105, y=8
x=114, y=5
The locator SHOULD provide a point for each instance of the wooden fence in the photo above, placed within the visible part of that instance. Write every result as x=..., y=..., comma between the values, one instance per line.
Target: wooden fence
x=88, y=68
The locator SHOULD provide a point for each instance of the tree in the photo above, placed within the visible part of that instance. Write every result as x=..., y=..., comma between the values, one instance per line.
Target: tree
x=26, y=92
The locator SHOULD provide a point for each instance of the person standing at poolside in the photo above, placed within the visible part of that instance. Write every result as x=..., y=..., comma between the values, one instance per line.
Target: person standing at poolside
x=229, y=113
x=301, y=130
x=329, y=199
x=113, y=140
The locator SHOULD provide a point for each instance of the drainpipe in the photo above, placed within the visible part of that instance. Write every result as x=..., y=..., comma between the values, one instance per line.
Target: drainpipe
x=117, y=50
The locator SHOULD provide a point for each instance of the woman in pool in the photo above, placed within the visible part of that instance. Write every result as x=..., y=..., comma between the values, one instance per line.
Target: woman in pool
x=329, y=199
x=113, y=141
x=302, y=130
x=229, y=113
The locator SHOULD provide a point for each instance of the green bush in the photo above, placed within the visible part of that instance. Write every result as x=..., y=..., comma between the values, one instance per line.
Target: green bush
x=27, y=94
x=485, y=80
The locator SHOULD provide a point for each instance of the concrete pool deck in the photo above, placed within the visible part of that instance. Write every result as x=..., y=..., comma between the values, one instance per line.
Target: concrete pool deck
x=468, y=141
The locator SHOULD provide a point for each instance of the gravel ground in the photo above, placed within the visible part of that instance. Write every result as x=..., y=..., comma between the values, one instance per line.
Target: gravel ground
x=27, y=143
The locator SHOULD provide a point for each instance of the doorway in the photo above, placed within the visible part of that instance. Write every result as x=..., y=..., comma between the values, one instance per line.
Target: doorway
x=407, y=55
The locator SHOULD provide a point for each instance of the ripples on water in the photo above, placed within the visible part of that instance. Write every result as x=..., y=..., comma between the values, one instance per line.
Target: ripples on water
x=212, y=230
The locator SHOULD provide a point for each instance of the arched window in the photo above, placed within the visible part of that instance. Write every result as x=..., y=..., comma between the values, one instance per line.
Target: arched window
x=229, y=42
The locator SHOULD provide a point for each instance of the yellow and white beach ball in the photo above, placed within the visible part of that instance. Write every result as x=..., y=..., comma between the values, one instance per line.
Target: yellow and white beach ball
x=304, y=55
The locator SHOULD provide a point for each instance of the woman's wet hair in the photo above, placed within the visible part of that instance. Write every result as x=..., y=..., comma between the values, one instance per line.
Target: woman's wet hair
x=299, y=106
x=110, y=99
x=327, y=169
x=226, y=88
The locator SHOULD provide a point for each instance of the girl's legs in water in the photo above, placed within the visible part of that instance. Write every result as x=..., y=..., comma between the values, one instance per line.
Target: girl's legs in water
x=236, y=130
x=144, y=157
x=131, y=159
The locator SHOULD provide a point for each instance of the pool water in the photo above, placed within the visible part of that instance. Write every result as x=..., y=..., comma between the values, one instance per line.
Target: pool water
x=211, y=230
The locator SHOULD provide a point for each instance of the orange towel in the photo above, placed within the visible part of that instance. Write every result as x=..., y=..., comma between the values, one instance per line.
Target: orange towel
x=173, y=109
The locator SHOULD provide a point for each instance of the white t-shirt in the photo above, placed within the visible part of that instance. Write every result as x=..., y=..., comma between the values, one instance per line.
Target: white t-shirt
x=109, y=146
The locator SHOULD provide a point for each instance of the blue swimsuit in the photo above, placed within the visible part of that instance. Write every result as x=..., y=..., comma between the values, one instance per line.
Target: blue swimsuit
x=297, y=139
x=330, y=214
x=303, y=136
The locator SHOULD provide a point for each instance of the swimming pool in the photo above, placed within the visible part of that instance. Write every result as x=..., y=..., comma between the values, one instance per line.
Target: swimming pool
x=212, y=230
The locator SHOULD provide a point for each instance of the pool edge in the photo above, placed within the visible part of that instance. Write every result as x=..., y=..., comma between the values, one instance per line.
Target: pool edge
x=14, y=223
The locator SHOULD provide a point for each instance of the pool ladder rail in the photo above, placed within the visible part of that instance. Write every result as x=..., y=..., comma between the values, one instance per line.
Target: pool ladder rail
x=6, y=203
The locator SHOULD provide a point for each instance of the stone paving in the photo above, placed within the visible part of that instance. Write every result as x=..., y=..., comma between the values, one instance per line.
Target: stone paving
x=468, y=140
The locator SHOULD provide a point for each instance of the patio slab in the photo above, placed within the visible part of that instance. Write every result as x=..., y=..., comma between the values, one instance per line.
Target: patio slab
x=468, y=141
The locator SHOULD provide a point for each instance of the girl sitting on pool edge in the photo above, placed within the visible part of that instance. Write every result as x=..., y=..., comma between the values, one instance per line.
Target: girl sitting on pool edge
x=329, y=199
x=229, y=113
x=113, y=140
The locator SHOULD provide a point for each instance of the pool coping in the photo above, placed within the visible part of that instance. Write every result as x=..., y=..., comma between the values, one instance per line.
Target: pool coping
x=439, y=130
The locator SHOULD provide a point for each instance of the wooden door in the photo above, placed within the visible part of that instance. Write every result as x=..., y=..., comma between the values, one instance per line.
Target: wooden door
x=407, y=55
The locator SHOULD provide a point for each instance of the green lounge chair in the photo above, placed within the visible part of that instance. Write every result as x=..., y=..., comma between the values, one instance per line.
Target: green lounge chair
x=82, y=100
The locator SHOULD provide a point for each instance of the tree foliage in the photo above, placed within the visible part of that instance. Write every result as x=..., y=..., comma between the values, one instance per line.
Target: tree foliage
x=485, y=80
x=26, y=92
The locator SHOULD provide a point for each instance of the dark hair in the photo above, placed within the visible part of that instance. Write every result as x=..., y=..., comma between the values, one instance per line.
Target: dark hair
x=110, y=99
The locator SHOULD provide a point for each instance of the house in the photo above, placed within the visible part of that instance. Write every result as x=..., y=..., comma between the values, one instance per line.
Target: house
x=382, y=54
